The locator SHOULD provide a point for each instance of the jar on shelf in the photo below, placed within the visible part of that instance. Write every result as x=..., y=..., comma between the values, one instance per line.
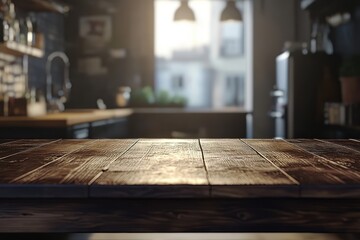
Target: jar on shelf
x=123, y=96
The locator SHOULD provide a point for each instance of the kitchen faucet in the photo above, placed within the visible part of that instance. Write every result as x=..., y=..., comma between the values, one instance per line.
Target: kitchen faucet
x=56, y=104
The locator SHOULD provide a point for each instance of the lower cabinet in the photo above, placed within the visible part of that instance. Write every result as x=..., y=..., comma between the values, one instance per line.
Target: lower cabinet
x=110, y=128
x=187, y=125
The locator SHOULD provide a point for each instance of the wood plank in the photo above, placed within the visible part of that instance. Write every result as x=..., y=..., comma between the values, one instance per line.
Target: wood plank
x=236, y=170
x=352, y=144
x=81, y=166
x=316, y=176
x=95, y=160
x=2, y=141
x=180, y=215
x=155, y=168
x=337, y=155
x=16, y=147
x=15, y=168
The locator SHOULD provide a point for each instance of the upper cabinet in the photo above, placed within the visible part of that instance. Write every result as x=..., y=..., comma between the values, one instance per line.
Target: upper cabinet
x=325, y=8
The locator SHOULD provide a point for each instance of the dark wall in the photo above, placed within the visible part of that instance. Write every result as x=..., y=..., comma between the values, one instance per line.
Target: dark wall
x=52, y=26
x=132, y=31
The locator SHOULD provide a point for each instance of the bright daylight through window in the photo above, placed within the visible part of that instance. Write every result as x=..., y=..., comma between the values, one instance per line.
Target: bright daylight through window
x=205, y=60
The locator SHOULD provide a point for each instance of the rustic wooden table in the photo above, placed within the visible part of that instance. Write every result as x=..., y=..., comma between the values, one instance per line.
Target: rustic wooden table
x=162, y=185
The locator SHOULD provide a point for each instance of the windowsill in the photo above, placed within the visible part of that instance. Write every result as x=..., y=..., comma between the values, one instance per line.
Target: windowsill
x=191, y=110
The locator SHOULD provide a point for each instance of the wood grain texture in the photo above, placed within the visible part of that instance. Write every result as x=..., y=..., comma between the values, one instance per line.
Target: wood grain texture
x=316, y=176
x=352, y=144
x=85, y=185
x=236, y=170
x=95, y=160
x=16, y=147
x=79, y=166
x=175, y=165
x=337, y=155
x=18, y=169
x=183, y=215
x=170, y=168
x=2, y=141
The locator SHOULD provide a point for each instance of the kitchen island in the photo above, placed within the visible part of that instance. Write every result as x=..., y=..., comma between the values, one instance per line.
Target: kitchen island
x=179, y=185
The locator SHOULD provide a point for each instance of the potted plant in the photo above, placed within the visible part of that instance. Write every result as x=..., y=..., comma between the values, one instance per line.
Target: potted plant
x=350, y=80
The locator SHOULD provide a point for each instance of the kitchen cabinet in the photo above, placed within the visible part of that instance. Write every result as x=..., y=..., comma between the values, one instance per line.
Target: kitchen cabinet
x=188, y=123
x=78, y=125
x=110, y=128
x=324, y=8
x=133, y=123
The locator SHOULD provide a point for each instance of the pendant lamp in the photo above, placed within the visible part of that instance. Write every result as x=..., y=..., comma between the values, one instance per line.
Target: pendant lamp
x=231, y=12
x=184, y=12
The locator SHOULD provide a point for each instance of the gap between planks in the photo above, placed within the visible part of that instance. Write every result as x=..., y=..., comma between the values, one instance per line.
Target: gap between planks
x=324, y=158
x=205, y=167
x=278, y=168
x=49, y=163
x=29, y=149
x=106, y=168
x=337, y=144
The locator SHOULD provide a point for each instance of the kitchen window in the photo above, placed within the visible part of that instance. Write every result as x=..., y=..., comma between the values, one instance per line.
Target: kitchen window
x=178, y=82
x=208, y=54
x=234, y=95
x=232, y=39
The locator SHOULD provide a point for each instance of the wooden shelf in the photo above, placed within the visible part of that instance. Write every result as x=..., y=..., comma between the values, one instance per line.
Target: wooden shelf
x=18, y=50
x=42, y=5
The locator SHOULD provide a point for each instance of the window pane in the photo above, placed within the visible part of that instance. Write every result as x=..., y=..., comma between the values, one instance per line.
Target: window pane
x=204, y=60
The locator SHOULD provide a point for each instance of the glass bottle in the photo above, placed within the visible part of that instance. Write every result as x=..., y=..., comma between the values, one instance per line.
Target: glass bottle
x=23, y=31
x=30, y=38
x=11, y=22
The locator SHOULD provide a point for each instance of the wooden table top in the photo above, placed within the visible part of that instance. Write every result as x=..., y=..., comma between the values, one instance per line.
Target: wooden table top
x=177, y=168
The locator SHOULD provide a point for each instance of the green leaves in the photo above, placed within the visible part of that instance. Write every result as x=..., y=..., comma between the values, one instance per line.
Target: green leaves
x=145, y=97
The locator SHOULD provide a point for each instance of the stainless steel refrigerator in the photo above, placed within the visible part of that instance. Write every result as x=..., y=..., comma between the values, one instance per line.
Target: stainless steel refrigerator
x=304, y=82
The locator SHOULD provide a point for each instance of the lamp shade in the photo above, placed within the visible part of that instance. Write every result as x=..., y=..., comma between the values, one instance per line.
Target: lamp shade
x=231, y=12
x=184, y=12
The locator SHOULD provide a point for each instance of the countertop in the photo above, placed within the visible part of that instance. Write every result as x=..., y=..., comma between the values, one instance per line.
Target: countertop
x=77, y=116
x=64, y=119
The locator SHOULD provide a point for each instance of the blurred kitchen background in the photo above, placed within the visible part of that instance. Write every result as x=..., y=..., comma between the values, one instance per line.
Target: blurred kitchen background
x=178, y=68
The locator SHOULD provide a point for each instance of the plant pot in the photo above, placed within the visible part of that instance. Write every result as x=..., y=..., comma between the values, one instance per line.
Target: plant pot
x=350, y=90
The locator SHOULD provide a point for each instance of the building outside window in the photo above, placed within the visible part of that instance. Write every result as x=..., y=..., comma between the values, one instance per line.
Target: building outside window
x=206, y=61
